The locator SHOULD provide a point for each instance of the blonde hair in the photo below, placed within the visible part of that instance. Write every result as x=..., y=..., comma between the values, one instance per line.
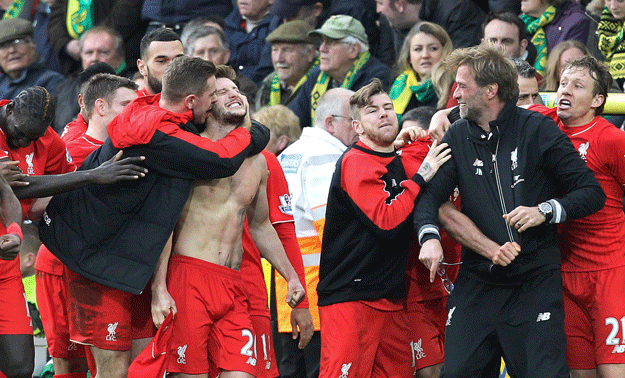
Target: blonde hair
x=281, y=120
x=429, y=28
x=552, y=72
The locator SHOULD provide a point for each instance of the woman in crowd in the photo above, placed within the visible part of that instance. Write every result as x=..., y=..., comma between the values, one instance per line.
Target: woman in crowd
x=422, y=81
x=550, y=22
x=562, y=53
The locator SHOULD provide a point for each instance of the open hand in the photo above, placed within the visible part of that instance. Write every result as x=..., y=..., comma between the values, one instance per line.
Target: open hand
x=117, y=169
x=437, y=156
x=301, y=318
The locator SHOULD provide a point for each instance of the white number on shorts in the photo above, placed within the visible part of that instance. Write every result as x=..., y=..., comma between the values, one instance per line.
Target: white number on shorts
x=264, y=338
x=247, y=348
x=612, y=339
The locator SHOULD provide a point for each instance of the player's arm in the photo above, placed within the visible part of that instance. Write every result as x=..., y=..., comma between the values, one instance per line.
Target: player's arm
x=162, y=301
x=11, y=215
x=266, y=239
x=111, y=171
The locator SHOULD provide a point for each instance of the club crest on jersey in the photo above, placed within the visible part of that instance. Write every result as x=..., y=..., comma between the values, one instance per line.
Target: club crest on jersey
x=514, y=158
x=583, y=150
x=285, y=204
x=449, y=315
x=417, y=351
x=182, y=351
x=29, y=160
x=345, y=370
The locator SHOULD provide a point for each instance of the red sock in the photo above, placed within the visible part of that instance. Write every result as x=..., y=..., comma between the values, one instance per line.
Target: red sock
x=90, y=361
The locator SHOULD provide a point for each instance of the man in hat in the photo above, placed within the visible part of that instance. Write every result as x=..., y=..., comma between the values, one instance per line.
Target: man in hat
x=344, y=61
x=19, y=62
x=293, y=55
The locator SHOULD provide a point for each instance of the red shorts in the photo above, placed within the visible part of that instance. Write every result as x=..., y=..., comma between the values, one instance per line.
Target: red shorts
x=266, y=366
x=14, y=314
x=358, y=340
x=212, y=327
x=426, y=320
x=104, y=317
x=594, y=317
x=52, y=304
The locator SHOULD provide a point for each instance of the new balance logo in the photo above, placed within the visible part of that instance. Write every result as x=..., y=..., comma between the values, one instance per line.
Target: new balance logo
x=345, y=370
x=619, y=349
x=449, y=315
x=543, y=316
x=182, y=350
x=112, y=327
x=268, y=365
x=251, y=361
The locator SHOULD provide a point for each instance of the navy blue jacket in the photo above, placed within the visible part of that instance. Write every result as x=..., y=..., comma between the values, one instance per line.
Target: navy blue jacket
x=35, y=74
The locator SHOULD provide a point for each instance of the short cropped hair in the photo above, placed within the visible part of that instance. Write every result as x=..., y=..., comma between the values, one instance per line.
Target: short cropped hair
x=490, y=66
x=156, y=35
x=509, y=18
x=104, y=86
x=205, y=31
x=281, y=120
x=35, y=104
x=117, y=38
x=186, y=75
x=362, y=97
x=524, y=69
x=421, y=115
x=599, y=73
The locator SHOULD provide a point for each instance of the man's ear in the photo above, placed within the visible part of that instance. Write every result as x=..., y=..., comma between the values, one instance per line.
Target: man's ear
x=189, y=101
x=142, y=67
x=523, y=44
x=492, y=90
x=400, y=5
x=354, y=51
x=357, y=126
x=329, y=124
x=99, y=106
x=597, y=100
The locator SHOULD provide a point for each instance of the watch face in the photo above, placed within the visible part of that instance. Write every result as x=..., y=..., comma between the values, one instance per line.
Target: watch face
x=545, y=208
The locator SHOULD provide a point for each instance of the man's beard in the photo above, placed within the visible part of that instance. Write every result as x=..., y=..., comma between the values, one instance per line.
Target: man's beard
x=227, y=118
x=153, y=82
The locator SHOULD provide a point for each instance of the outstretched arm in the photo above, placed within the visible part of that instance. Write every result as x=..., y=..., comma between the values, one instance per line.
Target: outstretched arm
x=111, y=171
x=11, y=215
x=267, y=241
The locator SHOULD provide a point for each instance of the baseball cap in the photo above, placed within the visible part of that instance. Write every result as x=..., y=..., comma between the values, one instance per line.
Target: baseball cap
x=340, y=26
x=293, y=32
x=13, y=28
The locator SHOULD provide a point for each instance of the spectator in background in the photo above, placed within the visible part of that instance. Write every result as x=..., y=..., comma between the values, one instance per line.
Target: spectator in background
x=98, y=44
x=563, y=53
x=19, y=62
x=283, y=125
x=68, y=21
x=308, y=165
x=177, y=14
x=344, y=61
x=211, y=44
x=213, y=20
x=461, y=19
x=247, y=26
x=158, y=48
x=402, y=15
x=293, y=55
x=610, y=31
x=425, y=46
x=309, y=11
x=38, y=12
x=507, y=30
x=528, y=84
x=550, y=22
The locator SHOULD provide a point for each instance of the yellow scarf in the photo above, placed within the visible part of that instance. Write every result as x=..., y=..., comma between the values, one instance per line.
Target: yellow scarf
x=405, y=86
x=324, y=79
x=79, y=17
x=611, y=35
x=539, y=38
x=275, y=94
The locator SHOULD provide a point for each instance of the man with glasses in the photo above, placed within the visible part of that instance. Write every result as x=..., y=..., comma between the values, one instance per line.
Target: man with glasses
x=344, y=61
x=19, y=62
x=362, y=267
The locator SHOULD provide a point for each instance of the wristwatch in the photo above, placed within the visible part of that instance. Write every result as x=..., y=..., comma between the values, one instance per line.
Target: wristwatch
x=546, y=210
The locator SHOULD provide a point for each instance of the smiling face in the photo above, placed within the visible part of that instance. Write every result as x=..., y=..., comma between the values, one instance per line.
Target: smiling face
x=16, y=55
x=291, y=61
x=576, y=99
x=425, y=52
x=469, y=95
x=378, y=125
x=231, y=106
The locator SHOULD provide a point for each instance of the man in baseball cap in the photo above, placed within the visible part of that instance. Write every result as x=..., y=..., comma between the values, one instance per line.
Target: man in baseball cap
x=293, y=54
x=344, y=61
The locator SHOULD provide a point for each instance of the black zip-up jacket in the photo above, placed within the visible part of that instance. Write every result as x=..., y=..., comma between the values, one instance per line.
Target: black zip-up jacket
x=114, y=234
x=523, y=161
